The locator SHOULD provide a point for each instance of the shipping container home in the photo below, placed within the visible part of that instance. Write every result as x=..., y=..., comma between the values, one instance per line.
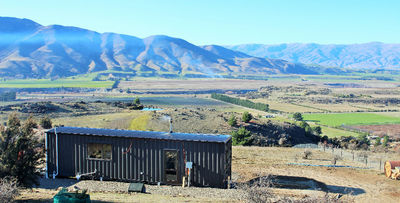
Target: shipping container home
x=139, y=156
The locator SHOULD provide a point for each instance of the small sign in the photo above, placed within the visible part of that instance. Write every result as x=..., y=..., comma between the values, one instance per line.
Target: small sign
x=189, y=165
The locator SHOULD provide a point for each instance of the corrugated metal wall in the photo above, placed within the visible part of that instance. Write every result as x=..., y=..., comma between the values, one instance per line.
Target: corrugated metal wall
x=131, y=156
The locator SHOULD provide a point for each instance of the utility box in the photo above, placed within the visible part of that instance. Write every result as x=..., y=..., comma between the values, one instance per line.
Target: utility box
x=137, y=187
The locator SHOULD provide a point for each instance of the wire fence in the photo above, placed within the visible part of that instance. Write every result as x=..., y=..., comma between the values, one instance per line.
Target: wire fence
x=361, y=158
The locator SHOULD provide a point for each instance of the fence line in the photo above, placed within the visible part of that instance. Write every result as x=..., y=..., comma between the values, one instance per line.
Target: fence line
x=364, y=158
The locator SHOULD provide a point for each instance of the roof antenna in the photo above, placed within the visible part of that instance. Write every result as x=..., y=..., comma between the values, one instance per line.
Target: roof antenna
x=170, y=125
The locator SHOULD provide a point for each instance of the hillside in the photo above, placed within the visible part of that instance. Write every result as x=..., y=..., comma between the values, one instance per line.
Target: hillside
x=372, y=55
x=30, y=50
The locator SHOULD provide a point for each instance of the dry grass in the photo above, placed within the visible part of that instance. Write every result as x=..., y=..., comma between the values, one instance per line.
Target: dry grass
x=140, y=122
x=248, y=162
x=285, y=107
x=120, y=120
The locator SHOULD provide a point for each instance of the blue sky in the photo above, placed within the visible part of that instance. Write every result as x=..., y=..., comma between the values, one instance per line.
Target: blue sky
x=224, y=22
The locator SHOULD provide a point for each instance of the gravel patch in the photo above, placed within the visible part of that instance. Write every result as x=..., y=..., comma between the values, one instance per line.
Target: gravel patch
x=122, y=187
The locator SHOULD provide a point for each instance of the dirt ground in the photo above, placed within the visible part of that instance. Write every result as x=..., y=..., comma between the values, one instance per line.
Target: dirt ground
x=389, y=129
x=193, y=84
x=360, y=185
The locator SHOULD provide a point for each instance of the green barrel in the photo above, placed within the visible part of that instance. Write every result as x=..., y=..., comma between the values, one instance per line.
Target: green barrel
x=69, y=197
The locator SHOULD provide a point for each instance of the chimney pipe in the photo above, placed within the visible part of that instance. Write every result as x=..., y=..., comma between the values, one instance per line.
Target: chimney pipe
x=170, y=125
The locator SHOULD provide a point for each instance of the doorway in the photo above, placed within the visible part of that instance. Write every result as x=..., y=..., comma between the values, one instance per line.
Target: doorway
x=171, y=166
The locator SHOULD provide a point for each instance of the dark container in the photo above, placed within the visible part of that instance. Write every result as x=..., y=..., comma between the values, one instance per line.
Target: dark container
x=139, y=156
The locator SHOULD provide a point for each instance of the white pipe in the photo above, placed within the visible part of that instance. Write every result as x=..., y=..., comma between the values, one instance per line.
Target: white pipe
x=78, y=176
x=47, y=161
x=170, y=125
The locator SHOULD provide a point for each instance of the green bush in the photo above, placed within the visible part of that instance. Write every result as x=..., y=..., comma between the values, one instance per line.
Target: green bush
x=246, y=117
x=19, y=152
x=241, y=136
x=232, y=121
x=46, y=123
x=297, y=116
x=385, y=140
x=317, y=130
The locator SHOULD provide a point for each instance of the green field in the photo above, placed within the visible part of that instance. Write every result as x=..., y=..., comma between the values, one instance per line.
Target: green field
x=47, y=83
x=338, y=119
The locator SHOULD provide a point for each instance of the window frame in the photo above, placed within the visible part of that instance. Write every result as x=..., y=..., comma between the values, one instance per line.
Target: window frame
x=99, y=159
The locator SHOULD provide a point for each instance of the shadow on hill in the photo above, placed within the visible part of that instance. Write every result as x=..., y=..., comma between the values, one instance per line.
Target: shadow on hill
x=315, y=121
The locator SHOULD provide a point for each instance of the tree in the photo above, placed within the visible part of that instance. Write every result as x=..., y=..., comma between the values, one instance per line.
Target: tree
x=19, y=151
x=232, y=121
x=136, y=101
x=297, y=116
x=363, y=140
x=385, y=140
x=115, y=84
x=246, y=117
x=46, y=123
x=317, y=130
x=241, y=136
x=303, y=125
x=377, y=142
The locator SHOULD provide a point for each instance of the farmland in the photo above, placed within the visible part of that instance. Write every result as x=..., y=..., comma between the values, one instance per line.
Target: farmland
x=196, y=112
x=338, y=119
x=47, y=83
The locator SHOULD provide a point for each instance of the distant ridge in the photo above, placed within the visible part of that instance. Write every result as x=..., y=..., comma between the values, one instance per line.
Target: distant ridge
x=372, y=55
x=30, y=50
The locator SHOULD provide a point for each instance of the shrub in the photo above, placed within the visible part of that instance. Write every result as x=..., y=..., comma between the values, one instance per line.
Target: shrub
x=136, y=101
x=297, y=116
x=246, y=117
x=19, y=153
x=317, y=130
x=385, y=140
x=8, y=189
x=232, y=121
x=241, y=136
x=377, y=142
x=46, y=123
x=259, y=191
x=307, y=154
x=335, y=159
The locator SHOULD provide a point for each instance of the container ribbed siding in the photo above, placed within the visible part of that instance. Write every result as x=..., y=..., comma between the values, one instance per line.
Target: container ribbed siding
x=142, y=160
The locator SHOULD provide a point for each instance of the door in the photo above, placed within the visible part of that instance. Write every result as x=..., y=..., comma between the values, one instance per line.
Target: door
x=171, y=167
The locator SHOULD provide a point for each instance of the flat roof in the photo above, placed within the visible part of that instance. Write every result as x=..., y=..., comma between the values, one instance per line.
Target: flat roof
x=142, y=134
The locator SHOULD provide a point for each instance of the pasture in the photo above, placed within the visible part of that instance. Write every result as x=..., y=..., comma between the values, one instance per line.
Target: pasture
x=47, y=83
x=338, y=119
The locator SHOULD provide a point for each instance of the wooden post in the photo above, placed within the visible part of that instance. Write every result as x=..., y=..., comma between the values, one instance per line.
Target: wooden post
x=188, y=182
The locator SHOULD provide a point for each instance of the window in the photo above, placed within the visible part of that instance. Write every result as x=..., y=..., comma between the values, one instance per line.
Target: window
x=99, y=151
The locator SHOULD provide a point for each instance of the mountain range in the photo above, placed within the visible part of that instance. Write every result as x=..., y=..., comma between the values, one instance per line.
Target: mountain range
x=374, y=55
x=30, y=50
